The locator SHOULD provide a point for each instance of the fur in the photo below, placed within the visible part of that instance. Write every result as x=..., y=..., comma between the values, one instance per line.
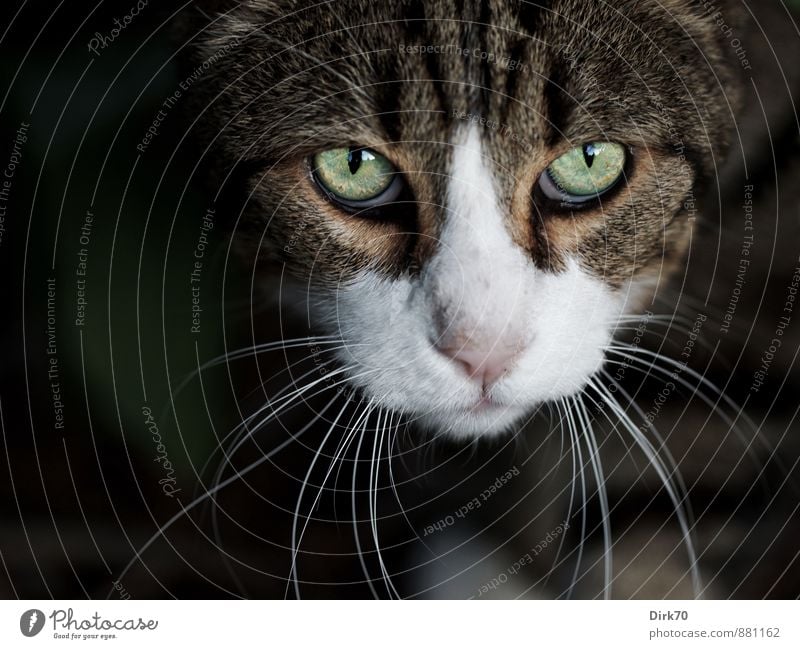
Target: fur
x=475, y=252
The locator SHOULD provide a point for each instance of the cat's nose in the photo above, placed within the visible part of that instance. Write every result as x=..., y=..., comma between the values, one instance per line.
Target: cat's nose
x=484, y=366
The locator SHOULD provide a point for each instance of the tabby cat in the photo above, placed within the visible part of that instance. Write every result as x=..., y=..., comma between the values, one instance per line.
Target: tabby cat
x=474, y=203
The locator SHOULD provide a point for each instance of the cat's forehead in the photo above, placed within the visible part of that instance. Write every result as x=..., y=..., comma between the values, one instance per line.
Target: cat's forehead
x=532, y=75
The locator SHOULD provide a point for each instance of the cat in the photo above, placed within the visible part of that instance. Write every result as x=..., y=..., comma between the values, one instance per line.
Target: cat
x=472, y=202
x=472, y=287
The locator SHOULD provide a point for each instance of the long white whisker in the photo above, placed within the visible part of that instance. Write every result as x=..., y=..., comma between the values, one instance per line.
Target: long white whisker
x=557, y=562
x=714, y=406
x=355, y=510
x=239, y=431
x=185, y=509
x=662, y=449
x=257, y=349
x=242, y=433
x=572, y=482
x=295, y=540
x=214, y=512
x=296, y=544
x=664, y=475
x=615, y=423
x=576, y=449
x=345, y=444
x=341, y=451
x=246, y=433
x=376, y=459
x=393, y=440
x=597, y=467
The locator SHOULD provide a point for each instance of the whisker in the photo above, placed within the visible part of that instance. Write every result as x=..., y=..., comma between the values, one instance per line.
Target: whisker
x=244, y=352
x=558, y=561
x=245, y=433
x=355, y=510
x=185, y=509
x=597, y=467
x=576, y=448
x=377, y=445
x=351, y=432
x=216, y=509
x=662, y=444
x=344, y=444
x=664, y=475
x=615, y=423
x=572, y=482
x=760, y=479
x=393, y=483
x=713, y=405
x=293, y=578
x=240, y=430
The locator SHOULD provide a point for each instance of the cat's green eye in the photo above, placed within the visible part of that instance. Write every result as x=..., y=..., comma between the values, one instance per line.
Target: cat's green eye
x=356, y=177
x=584, y=173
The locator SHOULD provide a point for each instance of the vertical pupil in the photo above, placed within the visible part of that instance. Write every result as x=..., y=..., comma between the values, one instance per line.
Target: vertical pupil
x=588, y=154
x=353, y=159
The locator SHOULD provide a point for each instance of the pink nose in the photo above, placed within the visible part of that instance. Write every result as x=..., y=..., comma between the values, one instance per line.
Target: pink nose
x=483, y=366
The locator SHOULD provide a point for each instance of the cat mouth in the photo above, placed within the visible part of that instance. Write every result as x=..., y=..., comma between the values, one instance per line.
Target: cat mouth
x=485, y=404
x=476, y=416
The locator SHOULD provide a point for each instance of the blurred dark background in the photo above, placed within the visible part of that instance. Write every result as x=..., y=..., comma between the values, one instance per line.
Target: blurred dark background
x=107, y=434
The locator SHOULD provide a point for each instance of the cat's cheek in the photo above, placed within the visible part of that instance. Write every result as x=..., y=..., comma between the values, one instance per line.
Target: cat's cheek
x=572, y=321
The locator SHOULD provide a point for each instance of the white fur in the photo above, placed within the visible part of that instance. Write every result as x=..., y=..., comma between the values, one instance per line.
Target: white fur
x=480, y=289
x=476, y=285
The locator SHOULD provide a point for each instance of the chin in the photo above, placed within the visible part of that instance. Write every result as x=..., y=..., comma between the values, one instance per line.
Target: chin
x=488, y=422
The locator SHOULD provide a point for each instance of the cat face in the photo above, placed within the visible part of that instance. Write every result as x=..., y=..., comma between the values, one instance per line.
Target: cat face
x=472, y=193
